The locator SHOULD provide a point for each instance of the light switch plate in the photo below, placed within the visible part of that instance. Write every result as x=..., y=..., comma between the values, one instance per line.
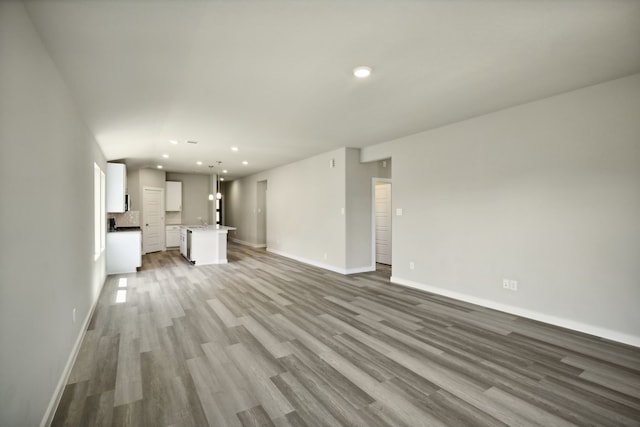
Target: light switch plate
x=398, y=211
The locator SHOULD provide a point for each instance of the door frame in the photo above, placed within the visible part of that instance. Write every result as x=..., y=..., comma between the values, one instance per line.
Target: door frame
x=374, y=181
x=162, y=213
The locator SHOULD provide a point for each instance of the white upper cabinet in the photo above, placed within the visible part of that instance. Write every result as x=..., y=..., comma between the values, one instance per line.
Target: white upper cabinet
x=116, y=186
x=173, y=196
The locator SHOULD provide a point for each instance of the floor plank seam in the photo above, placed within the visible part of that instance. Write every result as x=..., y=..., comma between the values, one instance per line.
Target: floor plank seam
x=265, y=340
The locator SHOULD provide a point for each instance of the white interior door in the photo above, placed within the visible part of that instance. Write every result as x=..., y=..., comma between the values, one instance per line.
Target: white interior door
x=152, y=219
x=383, y=222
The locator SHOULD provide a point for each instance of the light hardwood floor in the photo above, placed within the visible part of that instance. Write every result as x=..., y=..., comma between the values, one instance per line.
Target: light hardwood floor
x=265, y=341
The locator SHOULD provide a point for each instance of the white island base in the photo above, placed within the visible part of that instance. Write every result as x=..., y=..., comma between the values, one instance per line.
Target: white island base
x=203, y=245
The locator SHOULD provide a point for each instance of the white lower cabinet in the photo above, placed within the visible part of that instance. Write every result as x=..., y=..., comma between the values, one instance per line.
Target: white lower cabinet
x=124, y=252
x=172, y=236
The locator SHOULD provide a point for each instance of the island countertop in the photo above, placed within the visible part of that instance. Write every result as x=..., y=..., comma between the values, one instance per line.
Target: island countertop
x=217, y=228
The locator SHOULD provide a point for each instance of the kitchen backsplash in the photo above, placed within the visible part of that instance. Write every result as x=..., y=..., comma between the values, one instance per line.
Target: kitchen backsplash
x=126, y=219
x=173, y=218
x=132, y=218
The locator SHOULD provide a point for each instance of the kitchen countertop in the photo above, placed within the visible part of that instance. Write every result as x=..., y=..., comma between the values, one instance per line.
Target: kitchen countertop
x=124, y=229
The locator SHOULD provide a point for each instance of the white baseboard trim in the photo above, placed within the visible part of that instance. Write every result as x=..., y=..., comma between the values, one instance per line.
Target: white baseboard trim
x=324, y=266
x=360, y=270
x=245, y=243
x=308, y=261
x=62, y=382
x=523, y=312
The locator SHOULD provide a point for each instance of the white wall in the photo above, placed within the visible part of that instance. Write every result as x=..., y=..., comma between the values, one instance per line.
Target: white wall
x=152, y=178
x=240, y=204
x=546, y=193
x=312, y=210
x=133, y=189
x=304, y=209
x=47, y=264
x=305, y=202
x=359, y=202
x=195, y=196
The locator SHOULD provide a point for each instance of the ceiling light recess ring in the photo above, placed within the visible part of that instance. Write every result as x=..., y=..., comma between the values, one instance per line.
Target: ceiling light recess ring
x=362, y=72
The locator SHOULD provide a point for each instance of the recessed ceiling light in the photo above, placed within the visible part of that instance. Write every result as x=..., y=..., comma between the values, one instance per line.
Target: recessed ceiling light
x=245, y=163
x=362, y=72
x=224, y=171
x=198, y=163
x=221, y=179
x=174, y=142
x=234, y=148
x=159, y=166
x=166, y=156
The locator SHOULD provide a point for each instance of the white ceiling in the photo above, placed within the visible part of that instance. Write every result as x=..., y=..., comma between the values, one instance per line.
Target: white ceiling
x=274, y=77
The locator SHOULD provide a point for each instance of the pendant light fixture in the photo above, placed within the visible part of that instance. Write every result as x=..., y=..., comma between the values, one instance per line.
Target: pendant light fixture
x=215, y=184
x=211, y=171
x=218, y=193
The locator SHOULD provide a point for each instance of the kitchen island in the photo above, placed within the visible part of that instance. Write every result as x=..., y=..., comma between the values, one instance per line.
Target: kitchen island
x=204, y=244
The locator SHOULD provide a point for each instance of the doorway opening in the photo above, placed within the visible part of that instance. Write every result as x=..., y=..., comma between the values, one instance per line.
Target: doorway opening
x=381, y=224
x=261, y=214
x=217, y=212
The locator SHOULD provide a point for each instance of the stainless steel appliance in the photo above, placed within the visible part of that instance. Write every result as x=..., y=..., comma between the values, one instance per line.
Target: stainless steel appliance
x=189, y=232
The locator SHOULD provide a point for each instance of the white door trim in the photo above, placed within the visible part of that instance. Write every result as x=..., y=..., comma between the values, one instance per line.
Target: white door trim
x=373, y=217
x=162, y=213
